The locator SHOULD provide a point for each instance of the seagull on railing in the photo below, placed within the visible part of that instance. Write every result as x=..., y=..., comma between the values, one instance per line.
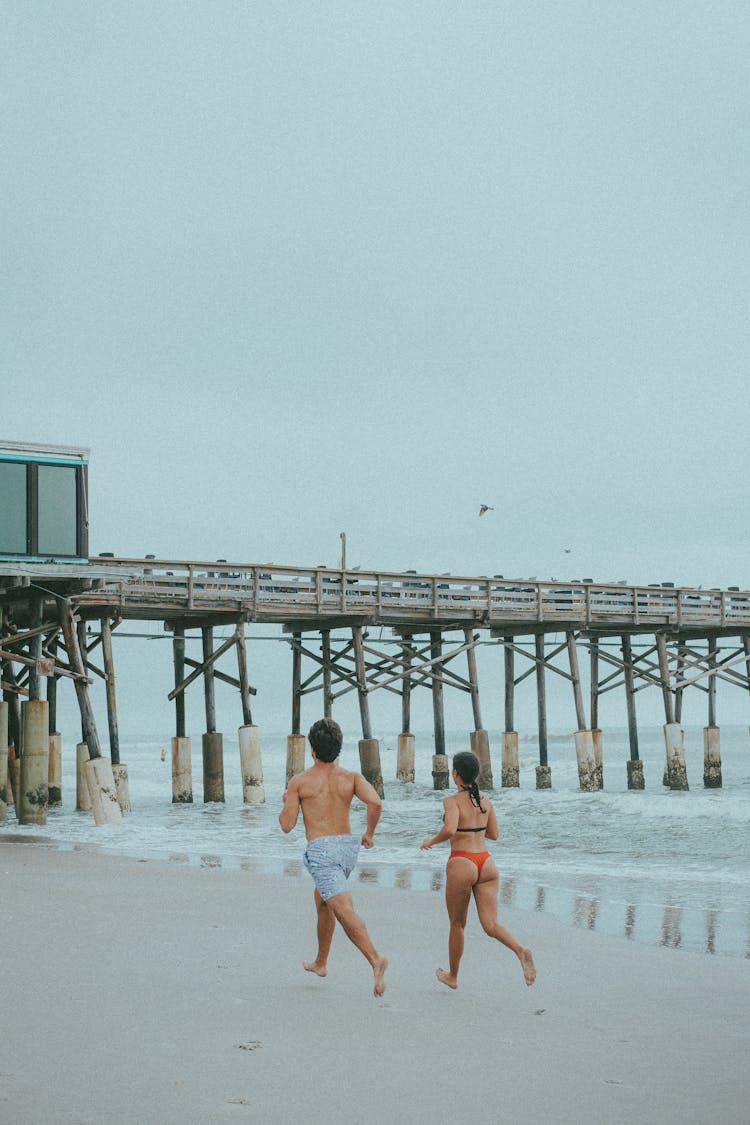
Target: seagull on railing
x=485, y=508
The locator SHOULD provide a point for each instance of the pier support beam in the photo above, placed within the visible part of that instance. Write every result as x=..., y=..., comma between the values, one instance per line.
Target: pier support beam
x=3, y=761
x=182, y=771
x=479, y=739
x=634, y=765
x=674, y=738
x=119, y=769
x=369, y=748
x=509, y=775
x=251, y=765
x=584, y=743
x=406, y=752
x=711, y=732
x=213, y=741
x=596, y=733
x=182, y=766
x=543, y=772
x=440, y=772
x=295, y=743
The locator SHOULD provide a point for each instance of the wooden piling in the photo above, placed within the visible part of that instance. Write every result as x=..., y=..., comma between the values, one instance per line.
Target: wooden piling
x=369, y=748
x=213, y=741
x=178, y=658
x=584, y=743
x=440, y=773
x=509, y=768
x=711, y=732
x=543, y=771
x=674, y=739
x=634, y=764
x=479, y=738
x=3, y=761
x=406, y=752
x=596, y=734
x=325, y=645
x=119, y=769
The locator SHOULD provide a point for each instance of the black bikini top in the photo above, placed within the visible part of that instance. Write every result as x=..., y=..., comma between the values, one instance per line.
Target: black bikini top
x=481, y=828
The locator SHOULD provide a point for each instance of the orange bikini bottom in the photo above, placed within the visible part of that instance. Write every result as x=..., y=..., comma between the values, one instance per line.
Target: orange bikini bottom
x=476, y=857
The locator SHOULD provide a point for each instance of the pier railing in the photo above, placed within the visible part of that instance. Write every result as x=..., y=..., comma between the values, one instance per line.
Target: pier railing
x=288, y=594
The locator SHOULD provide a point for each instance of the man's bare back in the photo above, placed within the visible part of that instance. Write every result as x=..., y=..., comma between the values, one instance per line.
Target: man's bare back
x=324, y=794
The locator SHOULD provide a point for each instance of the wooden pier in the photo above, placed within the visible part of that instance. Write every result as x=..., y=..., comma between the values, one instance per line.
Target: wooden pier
x=327, y=615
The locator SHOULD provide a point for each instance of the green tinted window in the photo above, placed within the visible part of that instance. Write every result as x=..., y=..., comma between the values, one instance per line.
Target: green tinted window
x=12, y=508
x=57, y=510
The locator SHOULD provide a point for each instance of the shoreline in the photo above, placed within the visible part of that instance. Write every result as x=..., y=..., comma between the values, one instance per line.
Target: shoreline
x=704, y=930
x=153, y=994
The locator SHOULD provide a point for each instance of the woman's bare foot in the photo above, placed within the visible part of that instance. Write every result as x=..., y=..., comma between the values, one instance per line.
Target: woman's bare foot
x=314, y=967
x=528, y=966
x=379, y=970
x=446, y=978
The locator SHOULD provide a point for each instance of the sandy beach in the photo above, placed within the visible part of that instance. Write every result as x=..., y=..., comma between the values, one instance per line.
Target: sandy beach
x=139, y=992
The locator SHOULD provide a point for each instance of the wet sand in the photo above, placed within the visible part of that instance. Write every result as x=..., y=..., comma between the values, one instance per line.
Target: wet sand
x=139, y=992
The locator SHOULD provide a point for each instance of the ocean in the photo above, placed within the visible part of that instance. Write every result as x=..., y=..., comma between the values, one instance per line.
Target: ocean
x=654, y=866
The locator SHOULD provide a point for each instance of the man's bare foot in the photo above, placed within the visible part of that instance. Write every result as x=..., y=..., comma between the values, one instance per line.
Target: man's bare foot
x=314, y=967
x=446, y=978
x=379, y=970
x=528, y=966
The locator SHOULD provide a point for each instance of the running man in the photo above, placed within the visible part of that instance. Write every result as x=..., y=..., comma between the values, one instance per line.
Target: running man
x=324, y=793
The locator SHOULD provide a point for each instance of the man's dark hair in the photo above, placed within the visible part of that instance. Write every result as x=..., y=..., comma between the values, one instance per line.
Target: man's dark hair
x=325, y=738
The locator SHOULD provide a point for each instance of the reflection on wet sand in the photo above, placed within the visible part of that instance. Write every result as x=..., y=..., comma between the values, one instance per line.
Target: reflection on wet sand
x=211, y=861
x=671, y=927
x=507, y=891
x=179, y=857
x=585, y=911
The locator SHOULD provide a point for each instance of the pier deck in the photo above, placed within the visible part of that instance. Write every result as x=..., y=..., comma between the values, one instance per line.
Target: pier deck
x=311, y=598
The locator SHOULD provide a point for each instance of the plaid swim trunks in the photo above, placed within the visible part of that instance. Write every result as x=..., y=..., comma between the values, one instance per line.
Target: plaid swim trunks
x=331, y=860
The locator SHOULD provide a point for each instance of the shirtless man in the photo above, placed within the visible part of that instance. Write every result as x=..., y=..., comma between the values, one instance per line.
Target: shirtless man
x=324, y=793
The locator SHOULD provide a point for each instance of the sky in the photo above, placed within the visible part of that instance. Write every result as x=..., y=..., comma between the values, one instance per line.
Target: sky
x=295, y=269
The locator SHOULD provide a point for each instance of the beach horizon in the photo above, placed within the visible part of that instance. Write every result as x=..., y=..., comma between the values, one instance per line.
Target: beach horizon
x=146, y=992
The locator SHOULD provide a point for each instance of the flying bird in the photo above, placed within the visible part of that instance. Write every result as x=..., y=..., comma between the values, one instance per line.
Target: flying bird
x=485, y=508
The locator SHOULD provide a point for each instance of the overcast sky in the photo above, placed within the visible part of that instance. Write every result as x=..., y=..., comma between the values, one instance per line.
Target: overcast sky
x=293, y=269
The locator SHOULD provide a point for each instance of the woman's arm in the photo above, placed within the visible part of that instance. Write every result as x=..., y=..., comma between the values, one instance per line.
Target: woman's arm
x=450, y=824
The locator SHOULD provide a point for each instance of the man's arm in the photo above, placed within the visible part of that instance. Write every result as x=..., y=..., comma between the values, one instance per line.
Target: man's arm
x=368, y=795
x=290, y=807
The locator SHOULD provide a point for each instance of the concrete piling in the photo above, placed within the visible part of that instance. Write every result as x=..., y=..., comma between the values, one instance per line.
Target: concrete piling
x=587, y=778
x=480, y=745
x=295, y=755
x=440, y=771
x=213, y=767
x=712, y=757
x=122, y=786
x=674, y=741
x=405, y=756
x=83, y=797
x=509, y=775
x=182, y=771
x=102, y=791
x=54, y=783
x=251, y=765
x=34, y=776
x=369, y=758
